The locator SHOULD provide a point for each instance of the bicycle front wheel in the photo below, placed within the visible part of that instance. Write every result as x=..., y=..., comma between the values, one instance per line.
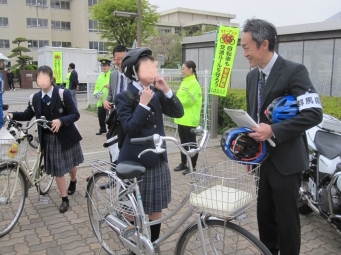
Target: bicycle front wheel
x=45, y=180
x=231, y=239
x=12, y=197
x=101, y=191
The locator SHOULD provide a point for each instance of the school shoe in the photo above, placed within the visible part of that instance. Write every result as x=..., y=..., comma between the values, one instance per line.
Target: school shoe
x=180, y=167
x=101, y=132
x=63, y=207
x=187, y=171
x=72, y=187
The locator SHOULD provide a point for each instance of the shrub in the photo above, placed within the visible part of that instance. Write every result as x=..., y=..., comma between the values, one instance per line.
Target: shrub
x=29, y=67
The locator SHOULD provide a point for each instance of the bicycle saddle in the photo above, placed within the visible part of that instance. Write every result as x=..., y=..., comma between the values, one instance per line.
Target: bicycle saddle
x=129, y=169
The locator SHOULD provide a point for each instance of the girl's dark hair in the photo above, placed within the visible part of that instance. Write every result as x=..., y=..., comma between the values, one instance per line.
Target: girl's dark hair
x=191, y=64
x=142, y=59
x=46, y=70
x=261, y=30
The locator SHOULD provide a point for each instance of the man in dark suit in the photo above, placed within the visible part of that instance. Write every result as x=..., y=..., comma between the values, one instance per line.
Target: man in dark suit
x=73, y=82
x=118, y=81
x=280, y=174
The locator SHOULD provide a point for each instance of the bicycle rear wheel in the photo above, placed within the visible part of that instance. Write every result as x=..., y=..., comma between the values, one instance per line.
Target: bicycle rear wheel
x=12, y=197
x=46, y=180
x=101, y=191
x=232, y=239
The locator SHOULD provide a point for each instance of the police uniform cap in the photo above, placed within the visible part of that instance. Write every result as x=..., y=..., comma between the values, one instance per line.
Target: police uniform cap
x=105, y=62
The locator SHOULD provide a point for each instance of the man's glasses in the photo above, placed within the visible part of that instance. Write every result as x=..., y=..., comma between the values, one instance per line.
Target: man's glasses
x=118, y=59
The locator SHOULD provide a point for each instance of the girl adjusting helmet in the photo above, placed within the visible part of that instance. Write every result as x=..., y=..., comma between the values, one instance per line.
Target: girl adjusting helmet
x=282, y=108
x=129, y=62
x=237, y=145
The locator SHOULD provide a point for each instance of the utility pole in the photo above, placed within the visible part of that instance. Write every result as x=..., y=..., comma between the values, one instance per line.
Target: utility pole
x=139, y=19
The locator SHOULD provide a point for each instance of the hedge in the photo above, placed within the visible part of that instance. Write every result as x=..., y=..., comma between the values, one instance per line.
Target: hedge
x=236, y=99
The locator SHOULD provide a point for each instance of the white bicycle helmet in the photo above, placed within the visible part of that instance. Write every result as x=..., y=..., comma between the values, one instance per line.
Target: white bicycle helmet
x=3, y=57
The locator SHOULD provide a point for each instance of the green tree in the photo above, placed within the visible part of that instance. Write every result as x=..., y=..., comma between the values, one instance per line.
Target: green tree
x=18, y=53
x=123, y=30
x=168, y=45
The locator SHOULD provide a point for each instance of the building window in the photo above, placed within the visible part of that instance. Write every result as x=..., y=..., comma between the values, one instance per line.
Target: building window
x=37, y=2
x=3, y=22
x=101, y=47
x=64, y=25
x=57, y=4
x=34, y=22
x=92, y=2
x=93, y=25
x=164, y=30
x=61, y=44
x=4, y=44
x=3, y=1
x=37, y=43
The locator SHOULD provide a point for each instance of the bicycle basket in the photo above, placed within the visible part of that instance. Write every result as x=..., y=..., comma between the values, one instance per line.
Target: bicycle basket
x=12, y=150
x=225, y=190
x=109, y=196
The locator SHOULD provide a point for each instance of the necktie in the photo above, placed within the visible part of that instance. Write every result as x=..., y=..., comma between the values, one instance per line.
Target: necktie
x=261, y=83
x=46, y=99
x=121, y=84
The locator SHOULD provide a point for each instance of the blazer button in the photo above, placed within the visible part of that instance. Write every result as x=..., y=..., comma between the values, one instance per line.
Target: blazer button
x=153, y=113
x=155, y=126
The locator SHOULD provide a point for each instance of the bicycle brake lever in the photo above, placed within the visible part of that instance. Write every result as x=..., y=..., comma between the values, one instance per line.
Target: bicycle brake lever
x=143, y=152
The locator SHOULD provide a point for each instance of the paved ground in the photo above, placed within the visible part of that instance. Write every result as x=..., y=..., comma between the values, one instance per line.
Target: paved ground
x=43, y=230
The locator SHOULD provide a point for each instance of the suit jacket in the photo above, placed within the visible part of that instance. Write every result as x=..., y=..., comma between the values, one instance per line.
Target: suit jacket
x=68, y=134
x=140, y=122
x=73, y=80
x=113, y=86
x=290, y=154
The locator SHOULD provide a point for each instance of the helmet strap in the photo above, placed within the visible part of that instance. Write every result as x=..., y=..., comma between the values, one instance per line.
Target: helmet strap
x=135, y=74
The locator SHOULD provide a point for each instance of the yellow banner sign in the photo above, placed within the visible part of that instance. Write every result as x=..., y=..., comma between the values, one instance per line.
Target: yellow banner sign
x=58, y=66
x=226, y=45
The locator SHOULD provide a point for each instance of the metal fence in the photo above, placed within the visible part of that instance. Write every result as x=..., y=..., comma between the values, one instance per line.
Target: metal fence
x=173, y=77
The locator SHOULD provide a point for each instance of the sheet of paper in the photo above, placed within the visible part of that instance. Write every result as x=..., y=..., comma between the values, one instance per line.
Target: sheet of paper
x=243, y=119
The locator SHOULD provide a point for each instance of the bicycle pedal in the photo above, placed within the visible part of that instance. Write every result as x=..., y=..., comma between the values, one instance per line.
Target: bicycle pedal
x=128, y=231
x=44, y=200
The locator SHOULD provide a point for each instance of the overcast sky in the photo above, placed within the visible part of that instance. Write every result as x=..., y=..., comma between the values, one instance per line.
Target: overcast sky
x=279, y=12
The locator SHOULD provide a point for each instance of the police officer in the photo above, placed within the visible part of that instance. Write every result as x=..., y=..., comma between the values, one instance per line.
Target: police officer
x=101, y=92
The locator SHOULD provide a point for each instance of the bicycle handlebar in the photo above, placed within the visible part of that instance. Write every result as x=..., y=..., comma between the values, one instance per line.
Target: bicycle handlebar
x=42, y=121
x=159, y=142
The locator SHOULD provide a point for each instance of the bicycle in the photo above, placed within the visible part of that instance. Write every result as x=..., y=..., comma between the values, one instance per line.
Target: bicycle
x=16, y=175
x=118, y=220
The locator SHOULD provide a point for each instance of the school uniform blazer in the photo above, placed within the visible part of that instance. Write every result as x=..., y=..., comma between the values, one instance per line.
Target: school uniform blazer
x=113, y=86
x=290, y=154
x=140, y=122
x=68, y=134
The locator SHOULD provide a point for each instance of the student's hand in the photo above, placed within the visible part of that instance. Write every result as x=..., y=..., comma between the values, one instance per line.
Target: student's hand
x=10, y=115
x=106, y=86
x=161, y=84
x=77, y=87
x=56, y=125
x=107, y=105
x=146, y=96
x=262, y=132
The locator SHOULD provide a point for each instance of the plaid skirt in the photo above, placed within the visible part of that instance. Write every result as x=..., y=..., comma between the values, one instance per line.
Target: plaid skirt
x=155, y=188
x=59, y=162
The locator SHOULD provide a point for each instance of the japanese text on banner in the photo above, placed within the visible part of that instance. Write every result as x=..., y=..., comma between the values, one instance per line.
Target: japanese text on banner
x=58, y=66
x=226, y=45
